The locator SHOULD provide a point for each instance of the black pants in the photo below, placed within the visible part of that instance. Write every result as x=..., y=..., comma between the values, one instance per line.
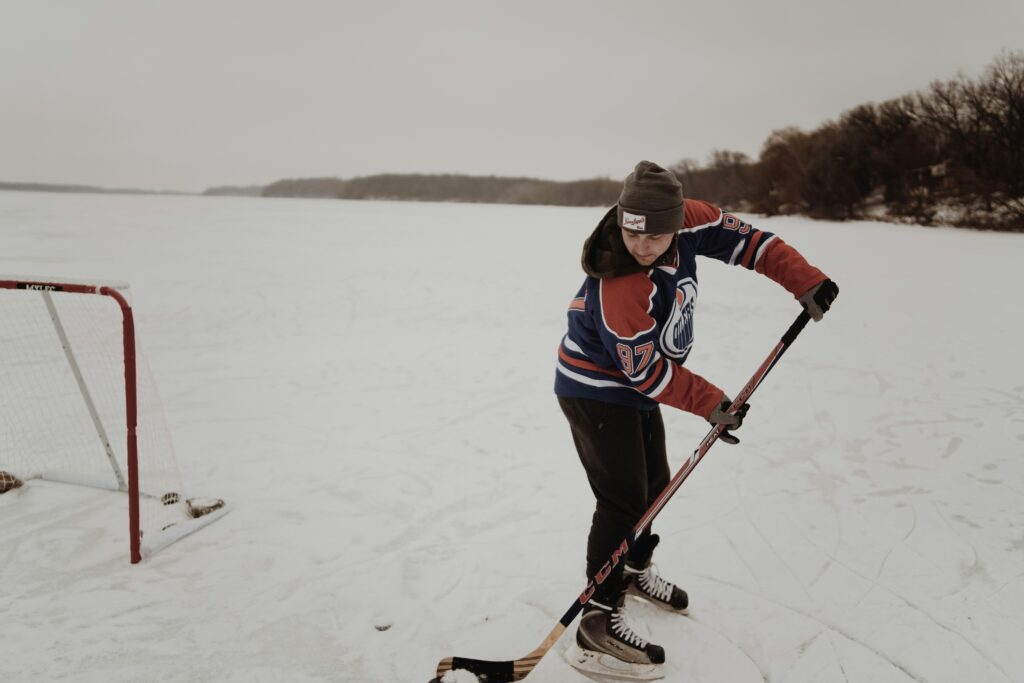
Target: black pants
x=623, y=452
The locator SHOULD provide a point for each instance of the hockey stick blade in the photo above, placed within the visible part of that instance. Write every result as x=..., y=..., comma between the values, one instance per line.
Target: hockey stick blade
x=488, y=671
x=502, y=672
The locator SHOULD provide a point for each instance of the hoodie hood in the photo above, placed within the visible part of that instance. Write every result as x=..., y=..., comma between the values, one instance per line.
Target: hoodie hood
x=605, y=254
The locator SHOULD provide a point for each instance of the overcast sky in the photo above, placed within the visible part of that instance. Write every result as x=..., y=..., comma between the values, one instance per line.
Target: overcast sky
x=183, y=95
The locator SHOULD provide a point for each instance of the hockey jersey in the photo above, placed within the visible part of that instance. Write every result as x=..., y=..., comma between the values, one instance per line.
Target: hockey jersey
x=631, y=326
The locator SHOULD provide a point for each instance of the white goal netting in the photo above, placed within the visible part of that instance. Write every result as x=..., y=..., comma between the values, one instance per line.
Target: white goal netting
x=64, y=407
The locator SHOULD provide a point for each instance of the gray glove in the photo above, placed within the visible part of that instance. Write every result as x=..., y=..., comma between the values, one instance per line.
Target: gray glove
x=819, y=298
x=720, y=416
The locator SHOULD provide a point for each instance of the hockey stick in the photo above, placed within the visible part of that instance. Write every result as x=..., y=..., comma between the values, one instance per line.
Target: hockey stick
x=517, y=669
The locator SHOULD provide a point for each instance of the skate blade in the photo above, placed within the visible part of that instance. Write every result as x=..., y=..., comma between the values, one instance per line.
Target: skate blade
x=603, y=667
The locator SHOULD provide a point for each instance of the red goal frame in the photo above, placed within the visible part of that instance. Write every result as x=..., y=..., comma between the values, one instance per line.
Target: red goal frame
x=130, y=379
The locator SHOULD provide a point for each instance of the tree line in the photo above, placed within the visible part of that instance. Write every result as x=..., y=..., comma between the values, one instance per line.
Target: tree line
x=453, y=188
x=953, y=153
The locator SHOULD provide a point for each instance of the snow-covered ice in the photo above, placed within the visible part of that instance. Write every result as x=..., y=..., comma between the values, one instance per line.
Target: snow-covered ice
x=369, y=385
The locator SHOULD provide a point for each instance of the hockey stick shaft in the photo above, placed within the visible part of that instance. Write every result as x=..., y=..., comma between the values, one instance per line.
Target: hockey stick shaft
x=518, y=669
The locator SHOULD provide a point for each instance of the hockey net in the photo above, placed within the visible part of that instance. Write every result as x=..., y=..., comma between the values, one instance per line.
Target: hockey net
x=74, y=383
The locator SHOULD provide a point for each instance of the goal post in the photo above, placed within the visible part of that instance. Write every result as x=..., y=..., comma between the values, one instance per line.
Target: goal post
x=81, y=406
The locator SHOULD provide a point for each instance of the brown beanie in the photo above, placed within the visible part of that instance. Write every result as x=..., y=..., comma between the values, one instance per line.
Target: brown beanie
x=651, y=201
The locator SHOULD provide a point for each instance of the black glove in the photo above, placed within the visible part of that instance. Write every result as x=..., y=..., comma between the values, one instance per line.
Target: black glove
x=819, y=298
x=720, y=416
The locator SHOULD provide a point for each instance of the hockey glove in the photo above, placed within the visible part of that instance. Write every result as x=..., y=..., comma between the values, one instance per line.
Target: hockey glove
x=721, y=416
x=819, y=298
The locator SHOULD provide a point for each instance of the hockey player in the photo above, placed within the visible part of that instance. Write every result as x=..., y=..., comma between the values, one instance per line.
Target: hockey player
x=630, y=331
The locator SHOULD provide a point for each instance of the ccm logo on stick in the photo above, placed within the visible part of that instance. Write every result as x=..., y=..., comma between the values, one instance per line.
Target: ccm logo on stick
x=604, y=571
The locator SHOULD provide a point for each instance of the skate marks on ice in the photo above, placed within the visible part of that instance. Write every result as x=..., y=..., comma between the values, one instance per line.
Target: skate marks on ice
x=892, y=522
x=873, y=635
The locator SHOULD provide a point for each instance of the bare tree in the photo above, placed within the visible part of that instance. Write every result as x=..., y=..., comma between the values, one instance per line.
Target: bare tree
x=781, y=170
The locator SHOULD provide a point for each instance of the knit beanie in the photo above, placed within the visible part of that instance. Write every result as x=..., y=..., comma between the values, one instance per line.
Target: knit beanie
x=651, y=201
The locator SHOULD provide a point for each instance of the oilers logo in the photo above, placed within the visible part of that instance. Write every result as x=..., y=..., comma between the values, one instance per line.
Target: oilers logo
x=677, y=332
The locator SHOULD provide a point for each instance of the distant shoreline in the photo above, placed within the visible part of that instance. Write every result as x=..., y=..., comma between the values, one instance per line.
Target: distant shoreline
x=83, y=189
x=963, y=212
x=388, y=187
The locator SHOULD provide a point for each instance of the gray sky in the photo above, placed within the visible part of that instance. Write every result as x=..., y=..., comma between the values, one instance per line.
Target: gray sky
x=187, y=94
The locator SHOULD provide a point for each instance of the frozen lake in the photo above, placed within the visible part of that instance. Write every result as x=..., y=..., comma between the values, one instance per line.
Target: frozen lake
x=370, y=385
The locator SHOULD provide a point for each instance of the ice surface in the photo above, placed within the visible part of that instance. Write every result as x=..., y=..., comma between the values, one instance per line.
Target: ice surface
x=369, y=384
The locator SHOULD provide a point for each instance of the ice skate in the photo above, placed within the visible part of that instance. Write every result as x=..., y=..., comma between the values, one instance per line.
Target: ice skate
x=607, y=649
x=646, y=584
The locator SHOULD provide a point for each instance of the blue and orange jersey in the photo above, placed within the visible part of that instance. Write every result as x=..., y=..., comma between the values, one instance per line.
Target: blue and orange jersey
x=631, y=328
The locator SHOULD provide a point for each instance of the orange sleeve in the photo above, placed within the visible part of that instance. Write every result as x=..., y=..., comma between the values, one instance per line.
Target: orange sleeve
x=784, y=264
x=690, y=392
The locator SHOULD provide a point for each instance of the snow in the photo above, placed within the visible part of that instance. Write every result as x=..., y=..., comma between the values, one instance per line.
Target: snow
x=369, y=385
x=458, y=676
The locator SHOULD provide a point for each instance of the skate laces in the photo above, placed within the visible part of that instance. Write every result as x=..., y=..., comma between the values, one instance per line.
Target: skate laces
x=654, y=585
x=623, y=631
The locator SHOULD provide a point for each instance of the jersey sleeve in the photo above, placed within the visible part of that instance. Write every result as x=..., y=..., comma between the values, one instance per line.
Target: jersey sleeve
x=784, y=264
x=630, y=333
x=720, y=235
